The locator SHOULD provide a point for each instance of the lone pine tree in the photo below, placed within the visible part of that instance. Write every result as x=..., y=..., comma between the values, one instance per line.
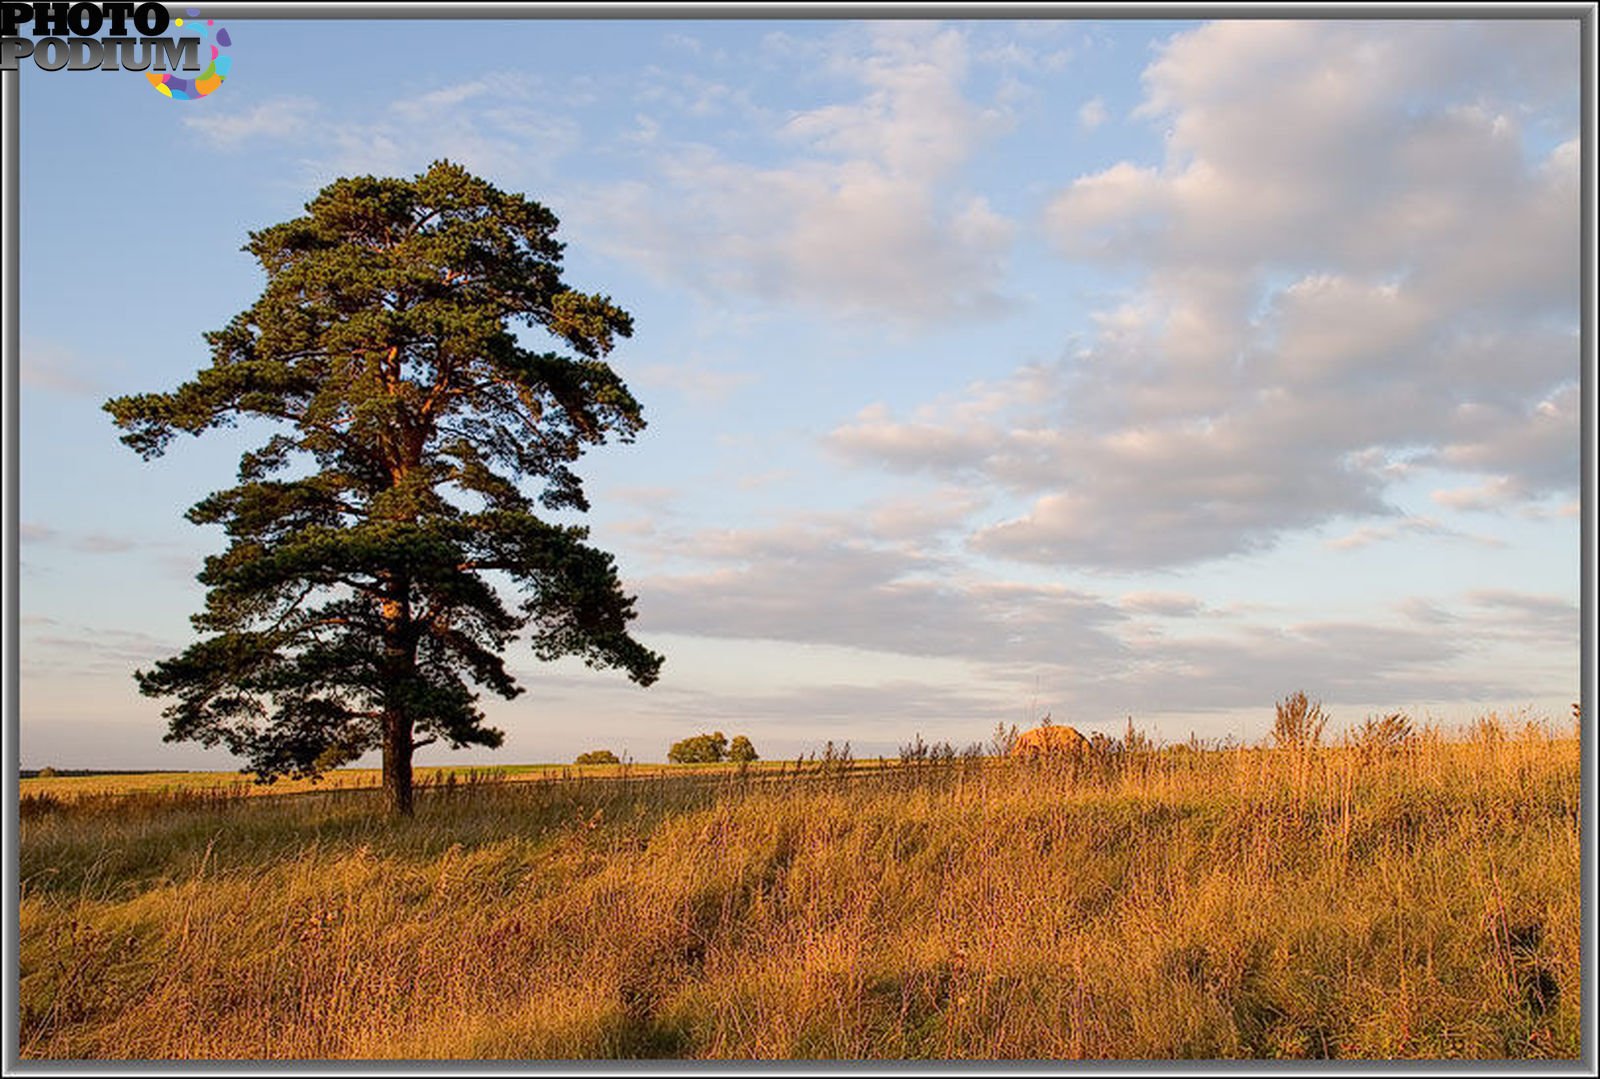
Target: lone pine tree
x=361, y=600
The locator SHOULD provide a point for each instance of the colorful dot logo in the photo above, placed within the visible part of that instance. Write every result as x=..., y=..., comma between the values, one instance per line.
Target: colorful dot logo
x=208, y=80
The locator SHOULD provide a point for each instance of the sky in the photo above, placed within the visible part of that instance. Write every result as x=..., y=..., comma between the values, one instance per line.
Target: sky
x=992, y=369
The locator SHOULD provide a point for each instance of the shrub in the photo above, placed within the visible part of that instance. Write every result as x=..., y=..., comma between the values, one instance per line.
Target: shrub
x=1136, y=741
x=46, y=772
x=914, y=752
x=1299, y=722
x=920, y=752
x=742, y=751
x=701, y=749
x=597, y=756
x=1385, y=733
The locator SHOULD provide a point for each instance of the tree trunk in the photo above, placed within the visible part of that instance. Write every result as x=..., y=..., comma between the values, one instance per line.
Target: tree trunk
x=400, y=668
x=397, y=748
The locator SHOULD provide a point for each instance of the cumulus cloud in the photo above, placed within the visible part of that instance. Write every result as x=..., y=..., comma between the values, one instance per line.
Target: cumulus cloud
x=863, y=216
x=1525, y=451
x=1387, y=280
x=921, y=517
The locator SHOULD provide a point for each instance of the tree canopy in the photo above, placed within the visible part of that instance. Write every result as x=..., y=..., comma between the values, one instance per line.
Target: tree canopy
x=372, y=537
x=701, y=749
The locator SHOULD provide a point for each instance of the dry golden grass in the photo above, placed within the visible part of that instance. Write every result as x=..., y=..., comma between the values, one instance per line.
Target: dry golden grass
x=1418, y=902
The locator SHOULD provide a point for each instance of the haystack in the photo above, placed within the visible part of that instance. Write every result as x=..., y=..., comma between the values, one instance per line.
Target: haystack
x=1049, y=741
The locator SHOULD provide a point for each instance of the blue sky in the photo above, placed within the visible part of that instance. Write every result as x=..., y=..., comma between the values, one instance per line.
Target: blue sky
x=992, y=368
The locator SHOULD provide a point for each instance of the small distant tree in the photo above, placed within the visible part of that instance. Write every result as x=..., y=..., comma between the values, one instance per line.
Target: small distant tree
x=741, y=751
x=1299, y=722
x=1004, y=740
x=701, y=749
x=46, y=772
x=597, y=756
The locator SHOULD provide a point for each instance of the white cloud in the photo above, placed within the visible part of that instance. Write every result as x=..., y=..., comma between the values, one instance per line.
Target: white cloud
x=279, y=118
x=923, y=517
x=826, y=584
x=1545, y=618
x=1387, y=280
x=507, y=126
x=821, y=583
x=863, y=218
x=1526, y=451
x=1366, y=535
x=1166, y=604
x=914, y=121
x=699, y=382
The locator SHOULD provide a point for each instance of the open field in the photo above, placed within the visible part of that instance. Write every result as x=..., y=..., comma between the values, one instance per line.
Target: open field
x=227, y=786
x=1418, y=902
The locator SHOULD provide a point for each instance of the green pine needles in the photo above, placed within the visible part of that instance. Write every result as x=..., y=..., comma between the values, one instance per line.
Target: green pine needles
x=361, y=601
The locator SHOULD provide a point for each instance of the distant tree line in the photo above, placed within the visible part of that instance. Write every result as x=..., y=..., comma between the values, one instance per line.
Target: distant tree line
x=712, y=748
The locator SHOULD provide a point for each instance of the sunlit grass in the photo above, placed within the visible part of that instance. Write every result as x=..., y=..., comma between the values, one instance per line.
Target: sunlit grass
x=1419, y=902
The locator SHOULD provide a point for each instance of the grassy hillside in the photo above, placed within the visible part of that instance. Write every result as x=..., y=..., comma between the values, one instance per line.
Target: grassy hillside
x=1422, y=902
